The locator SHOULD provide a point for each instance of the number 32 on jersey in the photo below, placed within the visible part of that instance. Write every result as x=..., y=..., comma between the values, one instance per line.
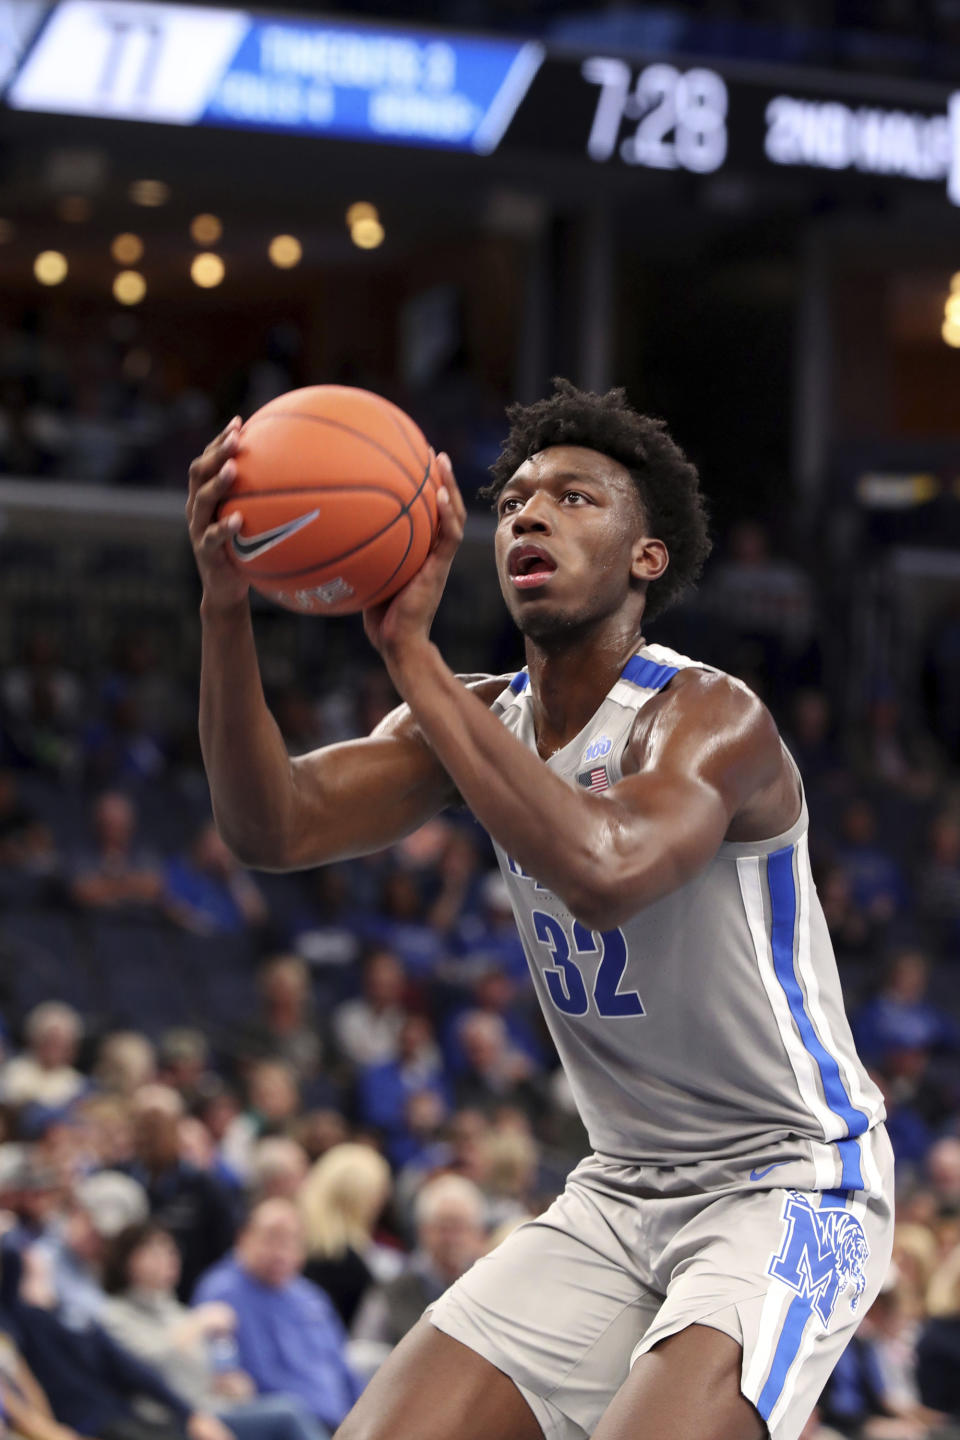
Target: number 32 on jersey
x=564, y=977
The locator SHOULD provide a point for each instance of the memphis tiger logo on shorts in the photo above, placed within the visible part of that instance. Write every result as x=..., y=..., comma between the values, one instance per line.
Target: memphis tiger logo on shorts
x=824, y=1253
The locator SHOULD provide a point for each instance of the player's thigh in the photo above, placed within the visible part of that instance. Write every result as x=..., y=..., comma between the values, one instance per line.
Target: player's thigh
x=434, y=1388
x=686, y=1388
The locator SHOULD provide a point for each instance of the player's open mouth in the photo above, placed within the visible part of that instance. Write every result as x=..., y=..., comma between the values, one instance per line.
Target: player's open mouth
x=530, y=566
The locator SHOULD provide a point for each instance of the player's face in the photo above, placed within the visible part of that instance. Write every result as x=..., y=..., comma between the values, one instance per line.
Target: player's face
x=571, y=541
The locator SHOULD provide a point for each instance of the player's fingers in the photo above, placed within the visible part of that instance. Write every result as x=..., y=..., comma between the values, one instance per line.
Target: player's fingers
x=209, y=495
x=205, y=466
x=216, y=536
x=451, y=524
x=450, y=482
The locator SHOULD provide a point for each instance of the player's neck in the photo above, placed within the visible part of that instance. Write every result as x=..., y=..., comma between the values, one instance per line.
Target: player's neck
x=569, y=680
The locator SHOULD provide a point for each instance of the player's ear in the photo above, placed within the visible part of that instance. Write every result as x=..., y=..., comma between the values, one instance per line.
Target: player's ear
x=650, y=559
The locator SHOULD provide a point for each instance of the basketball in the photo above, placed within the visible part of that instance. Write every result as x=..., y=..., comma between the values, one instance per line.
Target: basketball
x=337, y=490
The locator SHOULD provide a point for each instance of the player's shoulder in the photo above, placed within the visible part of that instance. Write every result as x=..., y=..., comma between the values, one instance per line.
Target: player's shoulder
x=705, y=705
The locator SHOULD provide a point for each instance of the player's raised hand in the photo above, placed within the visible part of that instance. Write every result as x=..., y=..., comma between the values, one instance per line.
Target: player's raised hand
x=406, y=619
x=211, y=476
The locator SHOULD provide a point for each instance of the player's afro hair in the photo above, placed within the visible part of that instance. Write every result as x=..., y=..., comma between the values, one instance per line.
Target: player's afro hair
x=668, y=483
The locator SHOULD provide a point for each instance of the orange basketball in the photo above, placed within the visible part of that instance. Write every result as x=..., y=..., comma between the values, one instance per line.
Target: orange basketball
x=337, y=489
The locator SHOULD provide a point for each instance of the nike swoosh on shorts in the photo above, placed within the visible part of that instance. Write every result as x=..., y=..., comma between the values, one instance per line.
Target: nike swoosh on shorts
x=759, y=1174
x=248, y=547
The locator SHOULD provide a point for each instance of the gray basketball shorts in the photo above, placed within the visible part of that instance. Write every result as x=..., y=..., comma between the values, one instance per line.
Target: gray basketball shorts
x=629, y=1255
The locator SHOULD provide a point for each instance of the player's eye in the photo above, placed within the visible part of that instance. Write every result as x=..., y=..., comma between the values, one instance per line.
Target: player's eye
x=574, y=495
x=507, y=505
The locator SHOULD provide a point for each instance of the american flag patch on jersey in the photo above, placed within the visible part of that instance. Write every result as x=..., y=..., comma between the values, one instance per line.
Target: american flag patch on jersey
x=595, y=779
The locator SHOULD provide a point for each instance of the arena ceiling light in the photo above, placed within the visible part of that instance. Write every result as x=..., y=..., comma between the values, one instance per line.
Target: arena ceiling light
x=361, y=210
x=50, y=267
x=149, y=193
x=285, y=251
x=207, y=270
x=367, y=234
x=129, y=287
x=127, y=248
x=206, y=229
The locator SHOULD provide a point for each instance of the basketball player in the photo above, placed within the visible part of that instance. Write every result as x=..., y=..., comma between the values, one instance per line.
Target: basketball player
x=707, y=1264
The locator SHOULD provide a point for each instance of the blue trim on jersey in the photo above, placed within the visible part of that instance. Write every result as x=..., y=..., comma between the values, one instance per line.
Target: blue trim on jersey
x=783, y=909
x=852, y=1176
x=835, y=1199
x=786, y=1352
x=519, y=682
x=647, y=674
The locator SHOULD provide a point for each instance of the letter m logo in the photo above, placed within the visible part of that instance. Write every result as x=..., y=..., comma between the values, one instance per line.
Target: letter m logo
x=822, y=1253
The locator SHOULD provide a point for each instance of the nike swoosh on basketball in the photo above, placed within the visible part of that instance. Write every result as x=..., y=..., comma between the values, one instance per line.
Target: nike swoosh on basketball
x=759, y=1174
x=248, y=547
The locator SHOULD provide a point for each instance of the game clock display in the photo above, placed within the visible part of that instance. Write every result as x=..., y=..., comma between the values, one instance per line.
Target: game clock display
x=485, y=94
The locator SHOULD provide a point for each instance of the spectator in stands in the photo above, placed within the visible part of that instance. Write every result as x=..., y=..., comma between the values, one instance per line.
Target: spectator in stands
x=93, y=1384
x=286, y=1028
x=900, y=1017
x=877, y=883
x=852, y=930
x=813, y=743
x=943, y=1174
x=278, y=1168
x=766, y=598
x=450, y=1236
x=273, y=1101
x=184, y=1060
x=26, y=844
x=401, y=924
x=938, y=888
x=512, y=1161
x=194, y=1206
x=72, y=1247
x=23, y=1405
x=45, y=1075
x=115, y=874
x=195, y=1351
x=40, y=704
x=126, y=1062
x=341, y=1201
x=489, y=938
x=886, y=752
x=384, y=1091
x=209, y=893
x=367, y=1029
x=119, y=747
x=289, y=1337
x=495, y=1071
x=495, y=993
x=107, y=1130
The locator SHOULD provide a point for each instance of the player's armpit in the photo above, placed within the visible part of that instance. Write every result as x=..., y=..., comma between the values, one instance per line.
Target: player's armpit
x=360, y=796
x=706, y=765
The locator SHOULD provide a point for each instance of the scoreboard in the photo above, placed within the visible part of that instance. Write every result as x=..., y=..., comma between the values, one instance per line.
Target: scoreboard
x=182, y=64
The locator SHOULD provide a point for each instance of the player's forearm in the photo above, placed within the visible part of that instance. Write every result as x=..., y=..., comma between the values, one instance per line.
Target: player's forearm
x=554, y=832
x=246, y=760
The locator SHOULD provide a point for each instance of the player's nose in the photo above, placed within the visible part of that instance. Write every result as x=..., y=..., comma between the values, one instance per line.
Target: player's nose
x=534, y=516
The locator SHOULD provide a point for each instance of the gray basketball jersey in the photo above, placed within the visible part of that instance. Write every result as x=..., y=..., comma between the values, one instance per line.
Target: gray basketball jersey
x=711, y=1024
